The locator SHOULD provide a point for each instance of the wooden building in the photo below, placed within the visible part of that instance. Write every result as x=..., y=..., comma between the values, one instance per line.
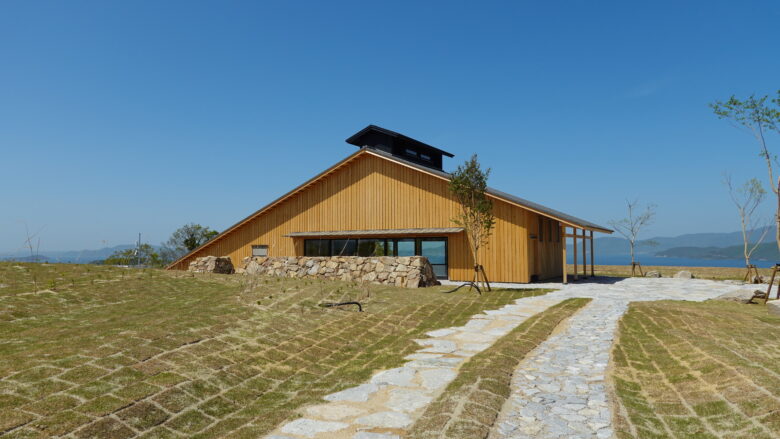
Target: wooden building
x=391, y=197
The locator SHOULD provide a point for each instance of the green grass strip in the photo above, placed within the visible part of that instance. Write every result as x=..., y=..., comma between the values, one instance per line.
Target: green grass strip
x=469, y=406
x=698, y=370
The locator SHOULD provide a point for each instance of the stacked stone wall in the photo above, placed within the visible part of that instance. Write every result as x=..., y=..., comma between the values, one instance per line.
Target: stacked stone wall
x=409, y=272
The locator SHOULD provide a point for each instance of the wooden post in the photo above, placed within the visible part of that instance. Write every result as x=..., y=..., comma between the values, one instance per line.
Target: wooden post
x=772, y=282
x=563, y=242
x=574, y=238
x=584, y=256
x=592, y=257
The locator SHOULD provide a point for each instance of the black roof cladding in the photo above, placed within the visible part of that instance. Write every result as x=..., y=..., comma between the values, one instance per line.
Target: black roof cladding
x=356, y=139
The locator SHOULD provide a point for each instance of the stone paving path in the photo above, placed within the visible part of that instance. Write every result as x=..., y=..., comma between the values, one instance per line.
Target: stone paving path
x=392, y=400
x=559, y=389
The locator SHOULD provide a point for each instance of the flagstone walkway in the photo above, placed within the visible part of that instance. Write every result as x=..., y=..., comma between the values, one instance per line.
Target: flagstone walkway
x=559, y=389
x=388, y=404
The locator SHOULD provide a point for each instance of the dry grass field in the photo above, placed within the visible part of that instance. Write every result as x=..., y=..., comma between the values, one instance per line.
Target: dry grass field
x=108, y=352
x=91, y=351
x=697, y=370
x=716, y=273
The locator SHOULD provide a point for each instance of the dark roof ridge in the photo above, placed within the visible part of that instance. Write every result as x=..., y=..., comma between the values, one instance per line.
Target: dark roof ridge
x=353, y=139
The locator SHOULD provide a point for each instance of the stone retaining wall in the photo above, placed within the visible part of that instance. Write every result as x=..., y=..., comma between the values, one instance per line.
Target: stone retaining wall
x=409, y=272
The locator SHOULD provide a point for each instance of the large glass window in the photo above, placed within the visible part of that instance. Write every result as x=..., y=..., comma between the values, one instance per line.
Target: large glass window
x=435, y=249
x=371, y=247
x=317, y=247
x=344, y=247
x=404, y=247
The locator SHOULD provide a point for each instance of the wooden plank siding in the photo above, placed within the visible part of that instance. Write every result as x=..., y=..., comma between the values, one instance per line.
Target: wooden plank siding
x=371, y=192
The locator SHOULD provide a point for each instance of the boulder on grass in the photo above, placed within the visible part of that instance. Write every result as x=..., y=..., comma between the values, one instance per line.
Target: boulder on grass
x=741, y=296
x=212, y=264
x=683, y=275
x=652, y=274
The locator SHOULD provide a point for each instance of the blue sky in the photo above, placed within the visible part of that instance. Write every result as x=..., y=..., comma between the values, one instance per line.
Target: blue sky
x=126, y=117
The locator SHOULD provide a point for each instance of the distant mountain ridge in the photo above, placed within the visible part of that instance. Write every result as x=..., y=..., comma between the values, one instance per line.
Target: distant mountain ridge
x=68, y=256
x=764, y=252
x=712, y=244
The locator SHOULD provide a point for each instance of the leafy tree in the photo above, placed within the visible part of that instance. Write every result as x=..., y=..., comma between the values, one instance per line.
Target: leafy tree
x=142, y=255
x=469, y=185
x=630, y=226
x=747, y=198
x=759, y=115
x=186, y=239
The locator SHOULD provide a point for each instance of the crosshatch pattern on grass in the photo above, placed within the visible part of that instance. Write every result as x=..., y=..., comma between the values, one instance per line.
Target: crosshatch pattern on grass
x=697, y=370
x=470, y=404
x=93, y=351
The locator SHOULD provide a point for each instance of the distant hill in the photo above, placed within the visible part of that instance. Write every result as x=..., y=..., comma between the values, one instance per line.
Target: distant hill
x=71, y=256
x=764, y=252
x=660, y=246
x=39, y=258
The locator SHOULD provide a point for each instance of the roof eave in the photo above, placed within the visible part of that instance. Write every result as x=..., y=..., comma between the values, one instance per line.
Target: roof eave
x=268, y=206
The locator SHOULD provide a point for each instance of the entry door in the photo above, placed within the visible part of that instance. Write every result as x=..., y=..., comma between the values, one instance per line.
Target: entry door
x=435, y=249
x=534, y=247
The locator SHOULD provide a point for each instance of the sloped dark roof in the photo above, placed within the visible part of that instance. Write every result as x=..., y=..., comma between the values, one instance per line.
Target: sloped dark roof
x=355, y=138
x=509, y=197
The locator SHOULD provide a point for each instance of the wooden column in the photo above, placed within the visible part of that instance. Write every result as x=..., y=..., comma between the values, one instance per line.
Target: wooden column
x=563, y=242
x=592, y=256
x=574, y=240
x=584, y=256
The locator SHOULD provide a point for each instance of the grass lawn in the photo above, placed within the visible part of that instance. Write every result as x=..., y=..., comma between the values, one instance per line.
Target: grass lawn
x=697, y=370
x=93, y=351
x=470, y=404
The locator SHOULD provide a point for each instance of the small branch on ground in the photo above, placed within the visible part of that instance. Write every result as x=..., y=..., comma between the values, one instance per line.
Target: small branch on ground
x=331, y=305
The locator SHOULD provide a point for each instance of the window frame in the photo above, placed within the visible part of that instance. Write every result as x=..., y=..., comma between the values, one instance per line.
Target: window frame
x=259, y=247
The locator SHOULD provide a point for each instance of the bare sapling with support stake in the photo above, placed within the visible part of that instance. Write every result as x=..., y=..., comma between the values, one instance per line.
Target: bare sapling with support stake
x=747, y=198
x=469, y=185
x=630, y=227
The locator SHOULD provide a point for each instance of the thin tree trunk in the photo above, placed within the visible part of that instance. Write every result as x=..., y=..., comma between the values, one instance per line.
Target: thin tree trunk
x=777, y=215
x=775, y=187
x=744, y=238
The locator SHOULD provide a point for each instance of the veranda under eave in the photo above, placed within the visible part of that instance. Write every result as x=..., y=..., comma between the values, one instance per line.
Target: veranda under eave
x=587, y=235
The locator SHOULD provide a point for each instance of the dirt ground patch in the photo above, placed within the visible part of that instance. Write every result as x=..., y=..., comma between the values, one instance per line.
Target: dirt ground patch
x=110, y=352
